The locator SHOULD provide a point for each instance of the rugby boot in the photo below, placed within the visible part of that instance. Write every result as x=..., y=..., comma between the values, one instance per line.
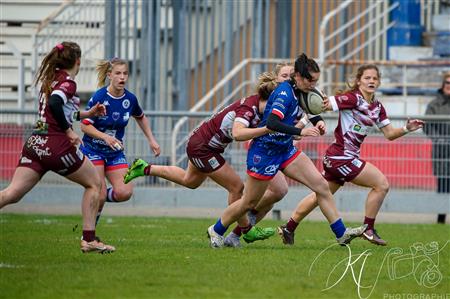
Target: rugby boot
x=215, y=240
x=286, y=235
x=350, y=234
x=96, y=246
x=258, y=233
x=136, y=170
x=232, y=240
x=372, y=236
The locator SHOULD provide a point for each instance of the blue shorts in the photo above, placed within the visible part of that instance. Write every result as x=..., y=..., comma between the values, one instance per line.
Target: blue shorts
x=264, y=167
x=110, y=161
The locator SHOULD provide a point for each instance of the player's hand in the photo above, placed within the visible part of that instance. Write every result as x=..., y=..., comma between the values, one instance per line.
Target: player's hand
x=326, y=105
x=97, y=110
x=413, y=125
x=155, y=148
x=321, y=126
x=73, y=137
x=313, y=131
x=113, y=142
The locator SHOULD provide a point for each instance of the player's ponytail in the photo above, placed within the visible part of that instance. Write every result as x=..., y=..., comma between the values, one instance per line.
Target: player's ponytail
x=267, y=82
x=305, y=66
x=63, y=56
x=104, y=67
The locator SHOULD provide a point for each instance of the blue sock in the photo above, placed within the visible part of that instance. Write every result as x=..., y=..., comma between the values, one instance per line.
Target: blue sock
x=338, y=228
x=219, y=228
x=110, y=195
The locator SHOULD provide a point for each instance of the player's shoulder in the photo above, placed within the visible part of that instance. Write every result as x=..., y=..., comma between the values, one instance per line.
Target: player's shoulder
x=284, y=89
x=100, y=93
x=252, y=100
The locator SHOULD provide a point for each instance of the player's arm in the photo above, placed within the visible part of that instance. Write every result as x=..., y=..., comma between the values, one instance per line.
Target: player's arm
x=145, y=127
x=392, y=133
x=242, y=133
x=88, y=129
x=274, y=123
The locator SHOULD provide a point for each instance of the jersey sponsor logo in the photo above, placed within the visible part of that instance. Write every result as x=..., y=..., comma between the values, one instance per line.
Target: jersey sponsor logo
x=115, y=116
x=357, y=128
x=271, y=169
x=357, y=163
x=25, y=160
x=126, y=116
x=213, y=162
x=126, y=104
x=256, y=159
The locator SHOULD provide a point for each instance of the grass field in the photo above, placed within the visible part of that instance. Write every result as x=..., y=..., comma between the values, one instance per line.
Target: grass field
x=170, y=258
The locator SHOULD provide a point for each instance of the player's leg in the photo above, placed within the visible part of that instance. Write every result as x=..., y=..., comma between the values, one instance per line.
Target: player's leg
x=304, y=208
x=253, y=192
x=88, y=177
x=191, y=177
x=373, y=178
x=304, y=171
x=23, y=180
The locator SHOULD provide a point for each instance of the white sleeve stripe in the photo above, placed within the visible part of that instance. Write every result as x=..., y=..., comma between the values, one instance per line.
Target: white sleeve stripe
x=333, y=103
x=384, y=123
x=242, y=121
x=61, y=94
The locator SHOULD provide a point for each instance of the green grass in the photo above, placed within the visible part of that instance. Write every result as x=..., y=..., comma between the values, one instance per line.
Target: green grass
x=170, y=258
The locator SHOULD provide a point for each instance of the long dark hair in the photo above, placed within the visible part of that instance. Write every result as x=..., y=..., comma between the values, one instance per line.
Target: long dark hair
x=62, y=56
x=305, y=66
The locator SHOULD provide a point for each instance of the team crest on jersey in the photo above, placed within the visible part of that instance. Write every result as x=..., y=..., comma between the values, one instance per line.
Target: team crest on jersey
x=213, y=162
x=115, y=116
x=256, y=159
x=343, y=98
x=126, y=103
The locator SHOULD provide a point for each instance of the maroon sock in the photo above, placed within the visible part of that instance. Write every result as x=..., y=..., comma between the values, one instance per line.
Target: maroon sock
x=237, y=230
x=245, y=229
x=88, y=235
x=291, y=225
x=370, y=222
x=147, y=169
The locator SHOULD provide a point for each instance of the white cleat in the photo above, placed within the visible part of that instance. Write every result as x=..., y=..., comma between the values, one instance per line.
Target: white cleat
x=350, y=234
x=215, y=240
x=232, y=240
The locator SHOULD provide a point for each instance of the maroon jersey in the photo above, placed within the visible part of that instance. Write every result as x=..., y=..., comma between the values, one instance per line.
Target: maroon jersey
x=355, y=117
x=64, y=87
x=216, y=132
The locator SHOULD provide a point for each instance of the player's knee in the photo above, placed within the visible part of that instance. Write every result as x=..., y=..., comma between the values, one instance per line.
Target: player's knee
x=383, y=186
x=322, y=188
x=237, y=190
x=122, y=194
x=280, y=192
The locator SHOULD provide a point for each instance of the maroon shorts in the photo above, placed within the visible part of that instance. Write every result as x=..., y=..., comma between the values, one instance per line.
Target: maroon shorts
x=341, y=171
x=204, y=158
x=51, y=152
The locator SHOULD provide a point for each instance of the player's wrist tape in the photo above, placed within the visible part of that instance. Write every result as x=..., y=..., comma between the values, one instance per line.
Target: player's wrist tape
x=304, y=121
x=405, y=130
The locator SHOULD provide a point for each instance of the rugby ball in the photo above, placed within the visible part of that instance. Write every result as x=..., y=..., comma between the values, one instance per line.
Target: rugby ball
x=312, y=102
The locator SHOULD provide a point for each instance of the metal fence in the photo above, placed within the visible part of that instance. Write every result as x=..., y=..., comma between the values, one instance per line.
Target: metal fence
x=407, y=162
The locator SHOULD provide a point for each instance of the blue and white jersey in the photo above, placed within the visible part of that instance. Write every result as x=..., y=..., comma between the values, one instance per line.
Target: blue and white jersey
x=118, y=112
x=283, y=103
